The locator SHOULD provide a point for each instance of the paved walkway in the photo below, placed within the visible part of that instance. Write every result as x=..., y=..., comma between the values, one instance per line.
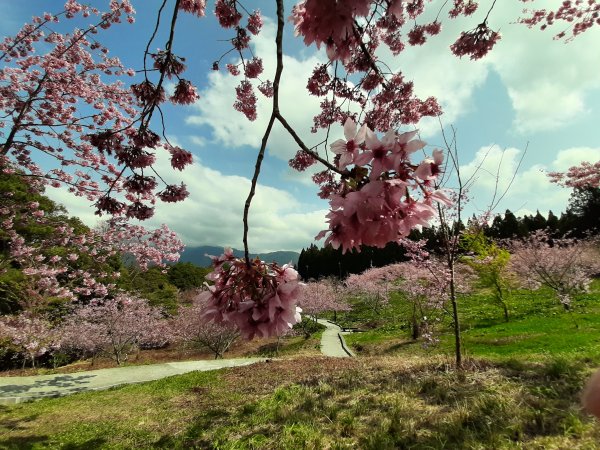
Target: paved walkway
x=332, y=342
x=21, y=389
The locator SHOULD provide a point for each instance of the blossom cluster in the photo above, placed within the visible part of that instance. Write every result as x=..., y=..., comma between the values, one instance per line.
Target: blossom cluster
x=229, y=16
x=579, y=14
x=383, y=195
x=259, y=298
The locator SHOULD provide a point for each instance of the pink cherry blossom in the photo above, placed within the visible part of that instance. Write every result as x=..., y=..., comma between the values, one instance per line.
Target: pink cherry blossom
x=259, y=299
x=185, y=93
x=348, y=149
x=196, y=7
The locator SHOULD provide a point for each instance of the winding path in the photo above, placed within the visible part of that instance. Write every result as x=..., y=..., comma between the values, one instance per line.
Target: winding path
x=332, y=341
x=22, y=389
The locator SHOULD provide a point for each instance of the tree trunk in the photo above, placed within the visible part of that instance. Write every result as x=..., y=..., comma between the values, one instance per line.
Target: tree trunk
x=416, y=330
x=457, y=338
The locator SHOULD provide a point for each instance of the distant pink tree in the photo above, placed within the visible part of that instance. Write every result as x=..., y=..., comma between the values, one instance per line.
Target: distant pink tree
x=31, y=335
x=585, y=175
x=426, y=290
x=190, y=327
x=114, y=327
x=321, y=296
x=375, y=285
x=565, y=266
x=318, y=297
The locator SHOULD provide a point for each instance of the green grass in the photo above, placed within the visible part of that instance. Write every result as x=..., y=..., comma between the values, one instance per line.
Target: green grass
x=538, y=328
x=313, y=403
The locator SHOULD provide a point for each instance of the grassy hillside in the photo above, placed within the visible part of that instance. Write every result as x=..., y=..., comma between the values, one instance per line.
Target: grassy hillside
x=368, y=403
x=519, y=390
x=538, y=327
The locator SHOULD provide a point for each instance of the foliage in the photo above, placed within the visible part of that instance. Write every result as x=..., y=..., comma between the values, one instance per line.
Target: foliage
x=152, y=285
x=584, y=210
x=186, y=276
x=59, y=256
x=490, y=263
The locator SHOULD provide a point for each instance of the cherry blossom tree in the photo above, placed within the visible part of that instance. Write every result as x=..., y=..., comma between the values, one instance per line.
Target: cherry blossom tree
x=375, y=285
x=32, y=336
x=321, y=296
x=61, y=96
x=566, y=266
x=63, y=258
x=70, y=104
x=425, y=287
x=114, y=327
x=191, y=328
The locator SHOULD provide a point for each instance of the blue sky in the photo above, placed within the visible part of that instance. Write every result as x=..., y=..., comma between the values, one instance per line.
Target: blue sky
x=531, y=91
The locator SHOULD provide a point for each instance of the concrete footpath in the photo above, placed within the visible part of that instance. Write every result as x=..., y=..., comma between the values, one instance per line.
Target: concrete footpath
x=21, y=389
x=332, y=342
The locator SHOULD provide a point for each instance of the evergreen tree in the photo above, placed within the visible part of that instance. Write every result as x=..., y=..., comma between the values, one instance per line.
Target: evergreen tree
x=584, y=205
x=552, y=222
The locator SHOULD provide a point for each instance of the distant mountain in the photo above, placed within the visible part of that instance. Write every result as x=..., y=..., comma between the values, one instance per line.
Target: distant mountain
x=197, y=255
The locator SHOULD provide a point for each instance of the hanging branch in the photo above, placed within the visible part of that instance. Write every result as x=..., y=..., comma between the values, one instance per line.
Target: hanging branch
x=274, y=112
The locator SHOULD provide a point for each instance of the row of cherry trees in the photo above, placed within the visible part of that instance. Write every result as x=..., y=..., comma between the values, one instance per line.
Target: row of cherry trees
x=112, y=328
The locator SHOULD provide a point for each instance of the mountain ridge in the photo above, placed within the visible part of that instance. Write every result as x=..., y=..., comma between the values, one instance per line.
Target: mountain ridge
x=197, y=255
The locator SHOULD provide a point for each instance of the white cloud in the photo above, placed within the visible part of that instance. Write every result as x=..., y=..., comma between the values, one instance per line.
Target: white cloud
x=200, y=141
x=212, y=214
x=231, y=128
x=547, y=80
x=574, y=156
x=530, y=189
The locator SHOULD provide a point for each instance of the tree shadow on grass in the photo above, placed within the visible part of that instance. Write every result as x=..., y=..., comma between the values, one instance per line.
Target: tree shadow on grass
x=53, y=387
x=31, y=442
